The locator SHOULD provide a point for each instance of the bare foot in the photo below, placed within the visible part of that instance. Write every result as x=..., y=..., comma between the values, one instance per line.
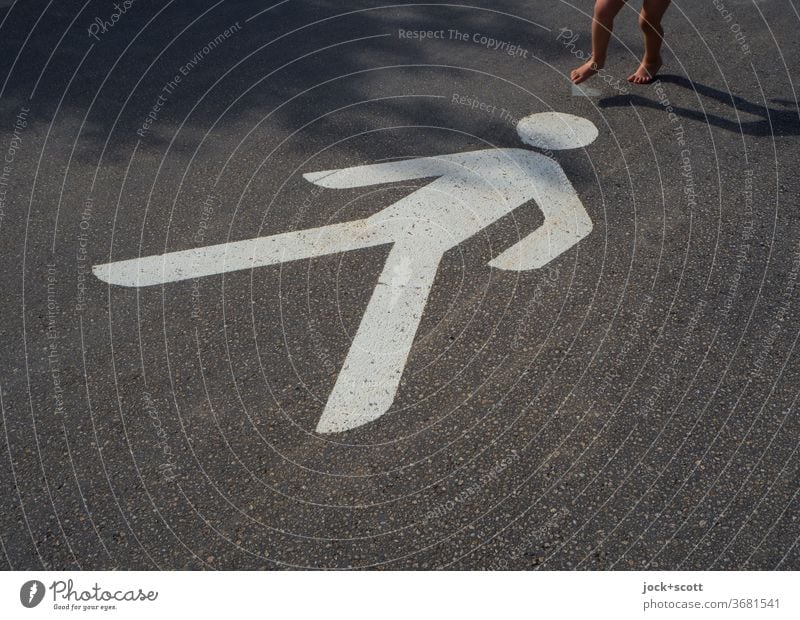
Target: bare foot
x=646, y=72
x=584, y=72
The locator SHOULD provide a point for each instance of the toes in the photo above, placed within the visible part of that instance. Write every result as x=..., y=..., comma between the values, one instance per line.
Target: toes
x=638, y=78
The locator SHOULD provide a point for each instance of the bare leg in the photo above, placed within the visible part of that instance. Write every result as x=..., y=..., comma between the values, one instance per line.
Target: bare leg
x=602, y=24
x=650, y=23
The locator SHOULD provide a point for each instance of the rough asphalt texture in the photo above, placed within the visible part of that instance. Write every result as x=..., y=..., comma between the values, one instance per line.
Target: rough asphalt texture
x=633, y=405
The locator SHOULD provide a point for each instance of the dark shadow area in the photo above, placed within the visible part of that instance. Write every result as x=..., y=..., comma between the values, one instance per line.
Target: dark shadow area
x=774, y=121
x=289, y=49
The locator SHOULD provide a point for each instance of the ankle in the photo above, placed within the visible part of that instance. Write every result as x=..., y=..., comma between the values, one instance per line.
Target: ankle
x=597, y=62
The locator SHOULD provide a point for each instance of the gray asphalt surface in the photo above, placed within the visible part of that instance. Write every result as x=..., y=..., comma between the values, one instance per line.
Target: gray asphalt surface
x=633, y=405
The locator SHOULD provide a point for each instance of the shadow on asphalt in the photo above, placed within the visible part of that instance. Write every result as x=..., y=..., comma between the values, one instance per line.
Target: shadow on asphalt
x=774, y=122
x=287, y=63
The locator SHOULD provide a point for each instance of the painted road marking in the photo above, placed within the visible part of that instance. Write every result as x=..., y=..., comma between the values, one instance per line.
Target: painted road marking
x=585, y=91
x=469, y=192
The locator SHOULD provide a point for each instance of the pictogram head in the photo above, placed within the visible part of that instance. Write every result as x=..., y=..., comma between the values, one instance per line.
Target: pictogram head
x=556, y=131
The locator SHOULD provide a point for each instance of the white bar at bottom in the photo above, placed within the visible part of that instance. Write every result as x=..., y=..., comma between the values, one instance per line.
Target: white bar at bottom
x=405, y=595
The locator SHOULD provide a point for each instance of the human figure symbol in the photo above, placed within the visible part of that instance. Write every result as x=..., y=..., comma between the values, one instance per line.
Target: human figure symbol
x=470, y=191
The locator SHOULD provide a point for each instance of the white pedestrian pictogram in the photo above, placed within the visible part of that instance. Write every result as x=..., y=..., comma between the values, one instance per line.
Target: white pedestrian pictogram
x=469, y=192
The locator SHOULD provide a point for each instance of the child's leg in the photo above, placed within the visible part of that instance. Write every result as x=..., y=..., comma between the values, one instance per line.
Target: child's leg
x=602, y=23
x=650, y=23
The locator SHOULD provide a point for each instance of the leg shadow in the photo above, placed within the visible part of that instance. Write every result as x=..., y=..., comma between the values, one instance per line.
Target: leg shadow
x=773, y=122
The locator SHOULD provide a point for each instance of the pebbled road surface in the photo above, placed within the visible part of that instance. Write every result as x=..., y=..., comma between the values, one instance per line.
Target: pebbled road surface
x=632, y=405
